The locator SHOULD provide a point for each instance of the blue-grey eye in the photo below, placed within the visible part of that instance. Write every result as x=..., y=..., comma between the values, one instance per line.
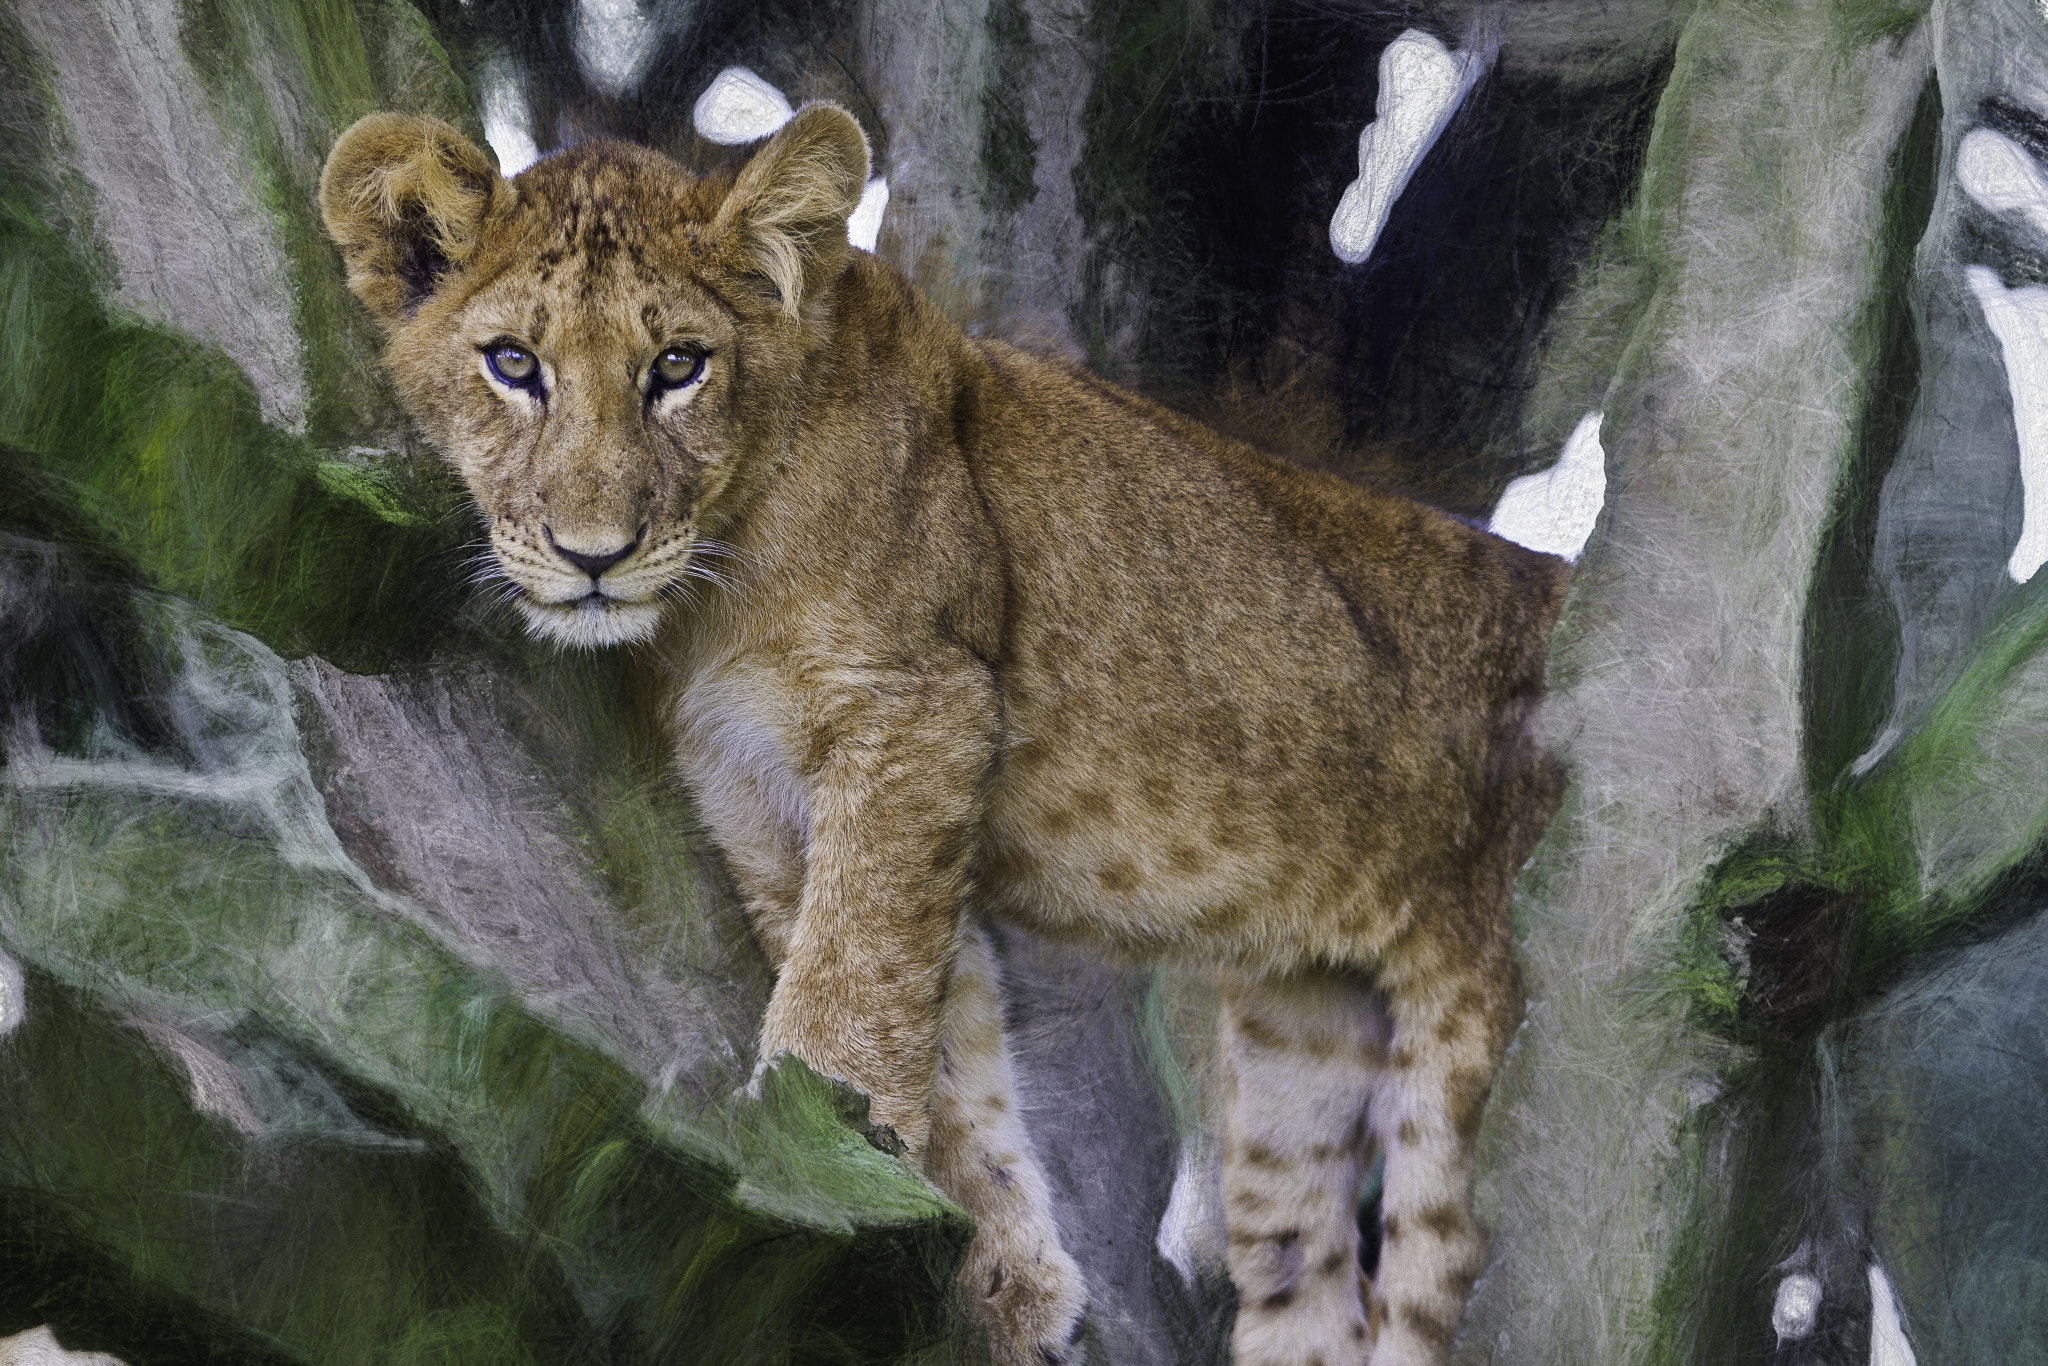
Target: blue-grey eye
x=678, y=367
x=513, y=365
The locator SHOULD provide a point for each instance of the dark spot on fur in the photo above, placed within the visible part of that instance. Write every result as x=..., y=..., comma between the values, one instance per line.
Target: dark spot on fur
x=1457, y=1282
x=1058, y=822
x=1185, y=858
x=1443, y=1219
x=1097, y=803
x=1426, y=1325
x=1260, y=1034
x=1120, y=876
x=1158, y=793
x=1358, y=1332
x=1279, y=1299
x=1390, y=1226
x=1030, y=755
x=1465, y=1101
x=1405, y=1133
x=1336, y=1262
x=1259, y=1155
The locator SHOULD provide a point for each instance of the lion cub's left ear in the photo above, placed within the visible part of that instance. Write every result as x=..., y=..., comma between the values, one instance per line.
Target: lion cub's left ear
x=787, y=211
x=405, y=198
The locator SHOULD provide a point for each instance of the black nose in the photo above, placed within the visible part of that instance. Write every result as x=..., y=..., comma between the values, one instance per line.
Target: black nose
x=593, y=565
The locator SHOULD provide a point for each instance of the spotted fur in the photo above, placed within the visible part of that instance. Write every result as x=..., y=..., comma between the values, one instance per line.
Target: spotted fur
x=946, y=630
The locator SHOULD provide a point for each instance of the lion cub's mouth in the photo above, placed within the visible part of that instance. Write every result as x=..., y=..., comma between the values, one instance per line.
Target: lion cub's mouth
x=590, y=622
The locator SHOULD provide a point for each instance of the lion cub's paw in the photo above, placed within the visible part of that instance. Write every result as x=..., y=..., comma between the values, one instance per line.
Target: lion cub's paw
x=1030, y=1294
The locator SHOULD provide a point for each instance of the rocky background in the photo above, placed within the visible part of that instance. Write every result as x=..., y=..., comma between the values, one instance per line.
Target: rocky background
x=368, y=995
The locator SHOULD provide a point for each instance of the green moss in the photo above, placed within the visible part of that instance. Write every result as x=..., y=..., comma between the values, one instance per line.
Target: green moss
x=770, y=1231
x=149, y=445
x=155, y=1226
x=1850, y=650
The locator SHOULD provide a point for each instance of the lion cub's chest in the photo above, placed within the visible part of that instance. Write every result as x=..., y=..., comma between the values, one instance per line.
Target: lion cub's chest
x=736, y=737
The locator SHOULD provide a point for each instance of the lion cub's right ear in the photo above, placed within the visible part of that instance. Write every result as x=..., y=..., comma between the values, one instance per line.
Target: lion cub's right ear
x=405, y=197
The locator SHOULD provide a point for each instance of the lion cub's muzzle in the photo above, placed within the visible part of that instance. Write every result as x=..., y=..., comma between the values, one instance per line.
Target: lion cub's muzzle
x=586, y=589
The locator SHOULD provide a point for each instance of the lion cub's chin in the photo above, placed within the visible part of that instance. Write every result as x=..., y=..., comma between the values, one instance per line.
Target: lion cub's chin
x=590, y=623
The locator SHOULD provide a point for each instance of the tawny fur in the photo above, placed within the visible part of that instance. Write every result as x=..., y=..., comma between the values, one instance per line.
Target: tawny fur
x=945, y=630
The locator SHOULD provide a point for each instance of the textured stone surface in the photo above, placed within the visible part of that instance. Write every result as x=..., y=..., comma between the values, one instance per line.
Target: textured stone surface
x=1726, y=356
x=193, y=247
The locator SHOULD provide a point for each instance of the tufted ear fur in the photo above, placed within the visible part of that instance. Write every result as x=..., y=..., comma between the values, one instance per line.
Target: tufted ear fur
x=404, y=197
x=786, y=213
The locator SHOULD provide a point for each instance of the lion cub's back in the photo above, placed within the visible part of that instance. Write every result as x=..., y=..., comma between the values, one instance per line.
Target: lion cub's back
x=1232, y=686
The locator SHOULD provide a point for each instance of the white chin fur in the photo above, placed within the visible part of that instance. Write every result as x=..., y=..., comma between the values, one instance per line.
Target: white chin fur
x=590, y=624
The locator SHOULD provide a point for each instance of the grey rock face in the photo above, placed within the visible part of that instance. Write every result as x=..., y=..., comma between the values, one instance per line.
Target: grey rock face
x=461, y=826
x=1944, y=1096
x=1676, y=675
x=180, y=219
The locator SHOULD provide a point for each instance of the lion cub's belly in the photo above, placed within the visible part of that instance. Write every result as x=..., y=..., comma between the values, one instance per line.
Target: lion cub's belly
x=1198, y=823
x=1152, y=862
x=1238, y=823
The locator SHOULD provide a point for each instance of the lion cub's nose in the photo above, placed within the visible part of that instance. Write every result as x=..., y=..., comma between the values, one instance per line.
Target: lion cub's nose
x=593, y=564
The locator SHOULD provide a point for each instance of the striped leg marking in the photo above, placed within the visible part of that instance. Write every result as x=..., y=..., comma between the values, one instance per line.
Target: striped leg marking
x=1425, y=1115
x=1299, y=1057
x=1029, y=1291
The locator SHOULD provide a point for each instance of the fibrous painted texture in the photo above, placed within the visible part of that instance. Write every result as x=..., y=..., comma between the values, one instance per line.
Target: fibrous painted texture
x=350, y=959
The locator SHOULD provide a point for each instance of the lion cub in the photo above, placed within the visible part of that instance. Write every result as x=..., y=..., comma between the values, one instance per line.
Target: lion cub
x=949, y=630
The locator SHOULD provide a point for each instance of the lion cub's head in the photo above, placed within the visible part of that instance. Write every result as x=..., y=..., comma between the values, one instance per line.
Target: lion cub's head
x=604, y=346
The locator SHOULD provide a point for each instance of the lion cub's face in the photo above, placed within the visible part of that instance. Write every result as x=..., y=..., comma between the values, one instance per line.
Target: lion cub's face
x=600, y=347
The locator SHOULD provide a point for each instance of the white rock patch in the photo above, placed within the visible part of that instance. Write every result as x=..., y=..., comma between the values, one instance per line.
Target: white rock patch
x=2019, y=319
x=13, y=998
x=39, y=1347
x=211, y=1081
x=1555, y=511
x=1888, y=1345
x=506, y=125
x=176, y=199
x=1421, y=86
x=2002, y=176
x=1796, y=1309
x=866, y=223
x=738, y=107
x=614, y=40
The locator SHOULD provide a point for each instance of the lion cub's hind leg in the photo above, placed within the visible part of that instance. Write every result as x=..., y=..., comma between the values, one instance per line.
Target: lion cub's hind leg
x=1451, y=1026
x=1299, y=1056
x=1029, y=1291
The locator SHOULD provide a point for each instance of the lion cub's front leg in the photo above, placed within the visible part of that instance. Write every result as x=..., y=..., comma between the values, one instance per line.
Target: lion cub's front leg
x=892, y=764
x=879, y=982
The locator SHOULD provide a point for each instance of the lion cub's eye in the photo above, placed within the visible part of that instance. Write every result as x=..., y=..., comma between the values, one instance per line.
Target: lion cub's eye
x=677, y=368
x=513, y=365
